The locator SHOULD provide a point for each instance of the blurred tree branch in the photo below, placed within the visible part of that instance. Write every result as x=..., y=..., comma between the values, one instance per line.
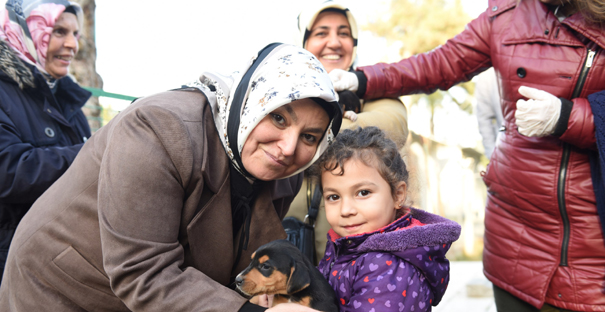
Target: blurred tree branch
x=83, y=68
x=421, y=26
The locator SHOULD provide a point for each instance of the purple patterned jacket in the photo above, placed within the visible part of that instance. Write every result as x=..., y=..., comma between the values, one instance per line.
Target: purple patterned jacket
x=401, y=267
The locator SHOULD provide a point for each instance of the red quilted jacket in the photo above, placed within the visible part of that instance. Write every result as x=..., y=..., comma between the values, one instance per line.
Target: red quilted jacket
x=543, y=241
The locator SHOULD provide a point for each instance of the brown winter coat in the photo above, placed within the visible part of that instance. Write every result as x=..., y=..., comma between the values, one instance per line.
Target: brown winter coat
x=543, y=238
x=142, y=219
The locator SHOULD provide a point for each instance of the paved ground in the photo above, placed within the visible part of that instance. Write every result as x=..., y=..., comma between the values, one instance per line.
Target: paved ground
x=468, y=290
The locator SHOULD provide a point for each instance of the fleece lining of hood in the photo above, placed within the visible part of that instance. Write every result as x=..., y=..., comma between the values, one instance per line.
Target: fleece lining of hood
x=435, y=231
x=14, y=68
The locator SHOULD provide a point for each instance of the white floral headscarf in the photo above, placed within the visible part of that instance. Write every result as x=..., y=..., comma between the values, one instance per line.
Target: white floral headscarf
x=288, y=73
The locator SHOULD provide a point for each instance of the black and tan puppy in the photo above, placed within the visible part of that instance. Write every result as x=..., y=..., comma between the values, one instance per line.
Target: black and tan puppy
x=279, y=268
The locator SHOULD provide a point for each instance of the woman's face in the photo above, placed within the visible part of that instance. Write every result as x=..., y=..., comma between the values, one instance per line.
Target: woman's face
x=285, y=140
x=62, y=46
x=331, y=41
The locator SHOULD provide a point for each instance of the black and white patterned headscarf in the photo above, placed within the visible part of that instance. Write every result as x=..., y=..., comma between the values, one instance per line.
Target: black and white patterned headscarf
x=278, y=75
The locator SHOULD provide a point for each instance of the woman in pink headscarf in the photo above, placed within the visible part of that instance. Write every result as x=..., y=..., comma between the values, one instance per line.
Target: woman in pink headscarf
x=42, y=127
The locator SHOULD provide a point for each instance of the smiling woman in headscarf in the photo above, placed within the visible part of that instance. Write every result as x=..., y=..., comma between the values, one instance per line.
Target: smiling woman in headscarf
x=42, y=127
x=329, y=31
x=166, y=203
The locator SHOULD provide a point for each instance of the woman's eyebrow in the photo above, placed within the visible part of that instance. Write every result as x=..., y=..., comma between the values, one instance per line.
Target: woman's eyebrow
x=294, y=117
x=290, y=111
x=320, y=27
x=315, y=130
x=328, y=28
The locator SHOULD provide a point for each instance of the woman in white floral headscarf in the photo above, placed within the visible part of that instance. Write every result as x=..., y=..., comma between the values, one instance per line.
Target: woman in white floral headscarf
x=166, y=203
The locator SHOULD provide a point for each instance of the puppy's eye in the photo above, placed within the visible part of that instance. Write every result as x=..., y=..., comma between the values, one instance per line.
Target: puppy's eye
x=265, y=267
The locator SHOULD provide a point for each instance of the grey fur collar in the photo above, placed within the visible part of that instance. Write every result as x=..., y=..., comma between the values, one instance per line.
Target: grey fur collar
x=14, y=67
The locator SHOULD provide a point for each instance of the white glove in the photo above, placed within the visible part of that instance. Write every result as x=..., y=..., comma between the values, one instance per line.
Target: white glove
x=538, y=116
x=344, y=80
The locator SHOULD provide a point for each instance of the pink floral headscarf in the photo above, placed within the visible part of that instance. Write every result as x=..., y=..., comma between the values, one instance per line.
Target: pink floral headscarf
x=30, y=41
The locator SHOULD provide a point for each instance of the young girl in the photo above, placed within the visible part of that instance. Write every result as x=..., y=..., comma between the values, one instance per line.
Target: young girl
x=380, y=255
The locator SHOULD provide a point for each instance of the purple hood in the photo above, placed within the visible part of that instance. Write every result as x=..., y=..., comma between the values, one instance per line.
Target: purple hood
x=401, y=266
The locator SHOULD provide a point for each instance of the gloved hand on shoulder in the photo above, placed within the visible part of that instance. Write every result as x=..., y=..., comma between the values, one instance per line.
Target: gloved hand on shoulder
x=537, y=116
x=344, y=80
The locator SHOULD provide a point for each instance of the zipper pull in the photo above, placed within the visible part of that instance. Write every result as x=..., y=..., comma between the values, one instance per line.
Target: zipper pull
x=589, y=58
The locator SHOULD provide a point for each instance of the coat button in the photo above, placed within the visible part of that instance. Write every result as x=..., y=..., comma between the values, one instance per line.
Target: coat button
x=349, y=242
x=49, y=132
x=521, y=72
x=494, y=8
x=48, y=110
x=546, y=32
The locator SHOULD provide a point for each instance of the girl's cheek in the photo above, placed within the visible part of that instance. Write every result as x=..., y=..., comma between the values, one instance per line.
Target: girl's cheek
x=331, y=214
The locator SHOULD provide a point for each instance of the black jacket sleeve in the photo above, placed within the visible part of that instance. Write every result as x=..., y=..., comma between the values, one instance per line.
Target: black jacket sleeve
x=250, y=307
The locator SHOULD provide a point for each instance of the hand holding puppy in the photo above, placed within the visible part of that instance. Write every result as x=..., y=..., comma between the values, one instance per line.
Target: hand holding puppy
x=264, y=300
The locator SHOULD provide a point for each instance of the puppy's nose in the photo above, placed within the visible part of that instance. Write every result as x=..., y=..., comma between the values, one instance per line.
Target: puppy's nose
x=239, y=281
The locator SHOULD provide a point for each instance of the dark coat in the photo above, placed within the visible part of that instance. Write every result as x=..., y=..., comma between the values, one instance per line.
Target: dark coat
x=40, y=135
x=543, y=240
x=401, y=267
x=142, y=219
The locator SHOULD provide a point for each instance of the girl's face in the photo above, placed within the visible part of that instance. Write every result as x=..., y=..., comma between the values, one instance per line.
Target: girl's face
x=62, y=46
x=285, y=140
x=360, y=200
x=331, y=41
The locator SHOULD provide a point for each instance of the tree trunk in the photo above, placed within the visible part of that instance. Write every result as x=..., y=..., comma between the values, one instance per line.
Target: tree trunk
x=83, y=68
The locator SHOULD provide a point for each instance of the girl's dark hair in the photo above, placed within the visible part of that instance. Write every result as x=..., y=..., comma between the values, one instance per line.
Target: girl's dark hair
x=369, y=145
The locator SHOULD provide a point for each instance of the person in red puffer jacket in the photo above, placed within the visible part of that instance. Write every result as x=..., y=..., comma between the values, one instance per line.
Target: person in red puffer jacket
x=544, y=243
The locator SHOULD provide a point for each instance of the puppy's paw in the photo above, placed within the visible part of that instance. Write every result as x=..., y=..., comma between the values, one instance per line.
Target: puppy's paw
x=351, y=115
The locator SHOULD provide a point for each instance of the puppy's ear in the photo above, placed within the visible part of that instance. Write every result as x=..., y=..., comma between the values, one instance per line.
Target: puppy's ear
x=300, y=277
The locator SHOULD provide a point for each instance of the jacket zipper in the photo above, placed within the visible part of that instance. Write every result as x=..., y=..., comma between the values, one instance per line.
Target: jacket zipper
x=565, y=163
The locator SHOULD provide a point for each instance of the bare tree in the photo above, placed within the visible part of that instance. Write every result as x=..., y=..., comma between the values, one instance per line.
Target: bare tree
x=83, y=68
